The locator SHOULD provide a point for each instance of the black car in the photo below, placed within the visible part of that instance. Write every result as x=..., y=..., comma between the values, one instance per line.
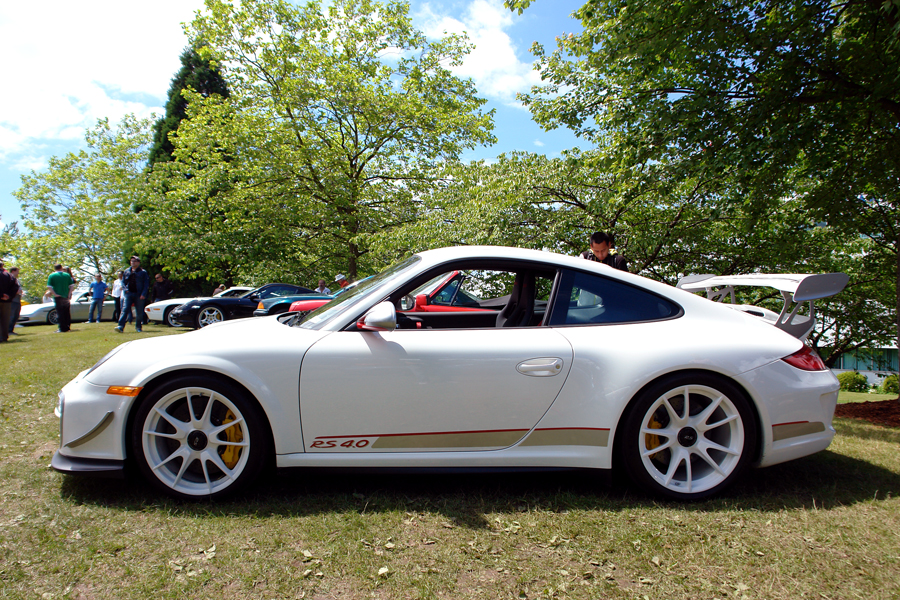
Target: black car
x=201, y=312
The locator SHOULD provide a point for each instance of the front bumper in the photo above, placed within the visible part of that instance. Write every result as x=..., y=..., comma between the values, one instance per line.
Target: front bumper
x=185, y=317
x=96, y=467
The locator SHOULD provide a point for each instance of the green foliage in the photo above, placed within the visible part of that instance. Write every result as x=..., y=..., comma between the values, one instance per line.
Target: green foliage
x=853, y=381
x=335, y=120
x=78, y=211
x=889, y=385
x=772, y=100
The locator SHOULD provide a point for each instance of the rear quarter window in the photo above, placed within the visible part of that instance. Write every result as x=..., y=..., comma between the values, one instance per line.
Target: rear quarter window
x=588, y=299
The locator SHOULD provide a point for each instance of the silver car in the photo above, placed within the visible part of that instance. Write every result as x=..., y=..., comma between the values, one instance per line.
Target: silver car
x=45, y=314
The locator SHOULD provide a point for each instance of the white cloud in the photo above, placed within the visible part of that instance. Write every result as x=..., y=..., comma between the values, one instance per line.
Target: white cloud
x=493, y=65
x=539, y=143
x=67, y=64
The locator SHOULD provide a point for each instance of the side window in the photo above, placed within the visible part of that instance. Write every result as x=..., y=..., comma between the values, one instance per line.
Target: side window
x=585, y=299
x=278, y=291
x=446, y=294
x=474, y=298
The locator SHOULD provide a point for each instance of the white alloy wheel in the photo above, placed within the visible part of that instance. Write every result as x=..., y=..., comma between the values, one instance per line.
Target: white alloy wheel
x=689, y=437
x=52, y=317
x=196, y=438
x=209, y=315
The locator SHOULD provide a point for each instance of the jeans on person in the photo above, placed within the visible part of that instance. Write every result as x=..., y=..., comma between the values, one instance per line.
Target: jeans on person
x=130, y=299
x=98, y=304
x=63, y=314
x=117, y=311
x=5, y=309
x=16, y=309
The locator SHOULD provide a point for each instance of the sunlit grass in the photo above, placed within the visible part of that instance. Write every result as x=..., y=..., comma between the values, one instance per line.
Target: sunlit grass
x=826, y=526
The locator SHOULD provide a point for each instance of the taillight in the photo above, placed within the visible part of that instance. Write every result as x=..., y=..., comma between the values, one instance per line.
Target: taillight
x=805, y=359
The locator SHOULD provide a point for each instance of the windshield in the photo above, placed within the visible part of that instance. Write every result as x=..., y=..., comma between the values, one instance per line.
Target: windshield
x=351, y=296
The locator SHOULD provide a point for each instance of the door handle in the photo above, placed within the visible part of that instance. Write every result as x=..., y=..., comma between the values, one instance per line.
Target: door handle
x=540, y=367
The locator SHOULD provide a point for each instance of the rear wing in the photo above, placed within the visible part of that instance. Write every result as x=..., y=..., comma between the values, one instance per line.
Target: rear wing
x=795, y=289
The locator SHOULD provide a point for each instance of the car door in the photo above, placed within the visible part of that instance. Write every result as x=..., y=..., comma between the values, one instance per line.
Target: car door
x=79, y=307
x=429, y=389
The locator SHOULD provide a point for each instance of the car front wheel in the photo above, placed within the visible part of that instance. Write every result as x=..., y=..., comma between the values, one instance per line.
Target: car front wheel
x=167, y=317
x=52, y=317
x=689, y=437
x=199, y=438
x=209, y=315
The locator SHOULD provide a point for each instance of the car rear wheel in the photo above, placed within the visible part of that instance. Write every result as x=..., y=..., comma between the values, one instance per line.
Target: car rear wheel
x=209, y=315
x=52, y=317
x=689, y=437
x=199, y=438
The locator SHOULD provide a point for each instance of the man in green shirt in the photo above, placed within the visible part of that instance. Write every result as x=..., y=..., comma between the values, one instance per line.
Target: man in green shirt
x=61, y=283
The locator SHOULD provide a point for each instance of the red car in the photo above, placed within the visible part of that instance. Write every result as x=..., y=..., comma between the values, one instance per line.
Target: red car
x=447, y=293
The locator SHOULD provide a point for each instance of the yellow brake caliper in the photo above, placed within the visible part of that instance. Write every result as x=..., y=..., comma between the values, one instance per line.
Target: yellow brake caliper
x=235, y=435
x=653, y=441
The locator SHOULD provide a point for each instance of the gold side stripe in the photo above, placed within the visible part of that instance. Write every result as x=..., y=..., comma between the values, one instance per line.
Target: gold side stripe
x=568, y=437
x=468, y=439
x=790, y=430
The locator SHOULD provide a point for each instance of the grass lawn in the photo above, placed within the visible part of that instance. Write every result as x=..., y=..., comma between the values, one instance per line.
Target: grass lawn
x=826, y=526
x=863, y=397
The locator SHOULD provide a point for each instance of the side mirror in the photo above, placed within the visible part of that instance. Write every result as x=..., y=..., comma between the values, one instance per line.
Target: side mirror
x=381, y=317
x=421, y=302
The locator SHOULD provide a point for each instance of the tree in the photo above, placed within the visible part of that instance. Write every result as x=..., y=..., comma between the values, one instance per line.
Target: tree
x=776, y=98
x=667, y=228
x=78, y=211
x=335, y=120
x=196, y=74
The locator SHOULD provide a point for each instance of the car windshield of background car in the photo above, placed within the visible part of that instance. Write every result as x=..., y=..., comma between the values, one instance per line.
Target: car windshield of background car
x=319, y=317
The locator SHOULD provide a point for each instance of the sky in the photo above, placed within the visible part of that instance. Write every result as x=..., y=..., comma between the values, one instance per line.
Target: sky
x=67, y=64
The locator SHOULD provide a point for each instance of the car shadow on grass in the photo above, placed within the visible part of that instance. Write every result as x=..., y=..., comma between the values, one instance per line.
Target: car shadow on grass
x=824, y=481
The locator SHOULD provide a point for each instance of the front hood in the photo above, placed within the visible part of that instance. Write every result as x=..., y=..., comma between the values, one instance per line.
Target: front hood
x=30, y=309
x=230, y=347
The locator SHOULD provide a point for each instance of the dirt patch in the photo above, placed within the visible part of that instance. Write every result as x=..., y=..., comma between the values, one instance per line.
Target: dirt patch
x=881, y=412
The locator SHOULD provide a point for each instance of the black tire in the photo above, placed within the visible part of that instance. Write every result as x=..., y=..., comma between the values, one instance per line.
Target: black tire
x=52, y=317
x=219, y=461
x=688, y=450
x=166, y=317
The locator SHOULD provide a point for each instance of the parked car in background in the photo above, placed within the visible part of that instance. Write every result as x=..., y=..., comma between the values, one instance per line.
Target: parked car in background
x=162, y=311
x=200, y=312
x=448, y=292
x=45, y=314
x=277, y=306
x=584, y=367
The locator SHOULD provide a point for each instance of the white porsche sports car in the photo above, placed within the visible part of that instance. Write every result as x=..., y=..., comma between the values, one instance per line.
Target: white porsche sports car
x=583, y=366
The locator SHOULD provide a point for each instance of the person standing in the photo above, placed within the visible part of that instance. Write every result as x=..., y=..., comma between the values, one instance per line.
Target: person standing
x=62, y=285
x=162, y=289
x=135, y=287
x=322, y=289
x=74, y=281
x=341, y=280
x=117, y=296
x=15, y=301
x=219, y=289
x=98, y=294
x=602, y=251
x=6, y=292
